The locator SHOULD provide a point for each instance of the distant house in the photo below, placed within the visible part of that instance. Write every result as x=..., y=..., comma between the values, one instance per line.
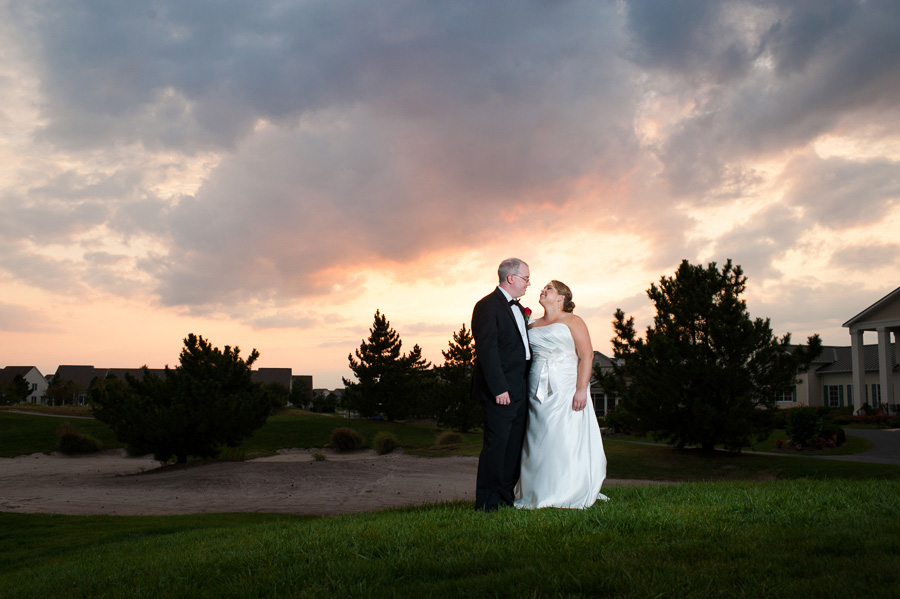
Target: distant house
x=302, y=383
x=882, y=317
x=37, y=383
x=603, y=401
x=80, y=377
x=857, y=374
x=276, y=376
x=137, y=373
x=829, y=380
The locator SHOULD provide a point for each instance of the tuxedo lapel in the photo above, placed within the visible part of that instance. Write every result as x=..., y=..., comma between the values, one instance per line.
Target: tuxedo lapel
x=504, y=303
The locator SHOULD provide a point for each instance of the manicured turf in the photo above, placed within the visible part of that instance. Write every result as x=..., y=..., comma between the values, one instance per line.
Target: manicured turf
x=790, y=539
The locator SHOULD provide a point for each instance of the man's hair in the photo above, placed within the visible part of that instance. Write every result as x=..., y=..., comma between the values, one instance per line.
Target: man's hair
x=510, y=266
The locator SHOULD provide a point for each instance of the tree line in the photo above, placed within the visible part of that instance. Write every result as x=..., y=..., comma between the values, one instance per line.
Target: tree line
x=399, y=386
x=704, y=374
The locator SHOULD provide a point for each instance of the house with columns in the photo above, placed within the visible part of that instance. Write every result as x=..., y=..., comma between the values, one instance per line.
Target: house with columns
x=883, y=318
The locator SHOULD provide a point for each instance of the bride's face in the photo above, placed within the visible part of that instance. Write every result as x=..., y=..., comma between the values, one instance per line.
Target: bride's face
x=549, y=296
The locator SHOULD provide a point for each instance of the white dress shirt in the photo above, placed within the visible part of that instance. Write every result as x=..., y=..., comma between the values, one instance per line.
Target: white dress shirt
x=520, y=320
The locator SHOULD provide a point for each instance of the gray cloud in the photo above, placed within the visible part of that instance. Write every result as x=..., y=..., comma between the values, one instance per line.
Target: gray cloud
x=692, y=37
x=755, y=244
x=806, y=307
x=865, y=256
x=373, y=133
x=837, y=192
x=797, y=70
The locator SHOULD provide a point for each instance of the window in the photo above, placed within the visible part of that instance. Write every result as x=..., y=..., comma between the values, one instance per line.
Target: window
x=876, y=395
x=788, y=396
x=834, y=396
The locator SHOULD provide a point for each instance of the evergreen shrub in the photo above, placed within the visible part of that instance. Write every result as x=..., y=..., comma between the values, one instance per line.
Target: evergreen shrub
x=384, y=443
x=346, y=439
x=72, y=441
x=803, y=425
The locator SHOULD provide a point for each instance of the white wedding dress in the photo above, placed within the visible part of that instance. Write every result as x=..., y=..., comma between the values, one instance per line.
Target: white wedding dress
x=563, y=463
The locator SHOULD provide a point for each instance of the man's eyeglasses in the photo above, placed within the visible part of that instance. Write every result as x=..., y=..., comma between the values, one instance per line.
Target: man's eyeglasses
x=526, y=279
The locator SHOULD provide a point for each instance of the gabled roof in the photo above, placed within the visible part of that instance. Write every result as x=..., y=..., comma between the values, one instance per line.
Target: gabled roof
x=841, y=359
x=602, y=360
x=137, y=373
x=9, y=373
x=876, y=311
x=80, y=375
x=266, y=376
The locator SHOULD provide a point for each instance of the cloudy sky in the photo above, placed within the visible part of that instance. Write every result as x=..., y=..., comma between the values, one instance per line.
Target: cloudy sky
x=267, y=174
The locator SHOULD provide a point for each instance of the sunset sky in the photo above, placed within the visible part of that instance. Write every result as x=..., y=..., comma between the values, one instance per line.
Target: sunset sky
x=267, y=174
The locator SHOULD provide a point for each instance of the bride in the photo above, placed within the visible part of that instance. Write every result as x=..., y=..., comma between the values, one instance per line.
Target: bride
x=563, y=463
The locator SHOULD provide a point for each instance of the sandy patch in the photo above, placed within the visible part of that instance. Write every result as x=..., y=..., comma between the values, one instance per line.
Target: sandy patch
x=289, y=483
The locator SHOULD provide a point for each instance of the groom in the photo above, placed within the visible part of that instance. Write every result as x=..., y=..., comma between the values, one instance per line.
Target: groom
x=499, y=384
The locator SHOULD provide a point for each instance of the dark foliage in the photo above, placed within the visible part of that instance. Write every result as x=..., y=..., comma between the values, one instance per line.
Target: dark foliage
x=277, y=393
x=61, y=393
x=384, y=442
x=205, y=403
x=803, y=425
x=72, y=441
x=833, y=432
x=14, y=391
x=388, y=382
x=704, y=366
x=324, y=403
x=346, y=439
x=454, y=406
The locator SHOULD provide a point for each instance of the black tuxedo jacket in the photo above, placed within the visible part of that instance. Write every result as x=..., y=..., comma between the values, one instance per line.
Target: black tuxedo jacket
x=500, y=363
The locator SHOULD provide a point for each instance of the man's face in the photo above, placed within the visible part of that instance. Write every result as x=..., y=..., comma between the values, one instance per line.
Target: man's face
x=520, y=282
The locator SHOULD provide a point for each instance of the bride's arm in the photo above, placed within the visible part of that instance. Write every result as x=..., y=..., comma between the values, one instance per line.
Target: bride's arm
x=585, y=362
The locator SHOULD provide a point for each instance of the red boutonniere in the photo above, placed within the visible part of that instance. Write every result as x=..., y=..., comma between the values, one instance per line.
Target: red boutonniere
x=527, y=312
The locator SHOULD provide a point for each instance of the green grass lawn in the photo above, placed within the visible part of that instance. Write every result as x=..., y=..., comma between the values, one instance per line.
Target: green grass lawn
x=296, y=428
x=853, y=444
x=800, y=538
x=22, y=434
x=745, y=525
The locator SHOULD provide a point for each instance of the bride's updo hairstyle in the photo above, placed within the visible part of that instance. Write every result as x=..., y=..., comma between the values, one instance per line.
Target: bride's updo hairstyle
x=563, y=290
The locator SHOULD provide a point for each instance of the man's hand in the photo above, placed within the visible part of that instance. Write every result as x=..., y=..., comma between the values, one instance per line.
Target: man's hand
x=503, y=399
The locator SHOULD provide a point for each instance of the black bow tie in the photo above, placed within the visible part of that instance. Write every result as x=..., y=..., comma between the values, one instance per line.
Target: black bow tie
x=514, y=302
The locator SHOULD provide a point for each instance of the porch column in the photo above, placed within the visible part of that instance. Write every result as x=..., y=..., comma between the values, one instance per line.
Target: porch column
x=892, y=377
x=885, y=367
x=858, y=360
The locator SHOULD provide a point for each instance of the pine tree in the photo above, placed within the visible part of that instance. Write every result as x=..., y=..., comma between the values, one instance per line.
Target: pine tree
x=388, y=381
x=207, y=402
x=705, y=367
x=454, y=406
x=415, y=387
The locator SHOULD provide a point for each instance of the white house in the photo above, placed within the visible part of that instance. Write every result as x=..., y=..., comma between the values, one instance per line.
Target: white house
x=37, y=383
x=883, y=317
x=829, y=381
x=603, y=401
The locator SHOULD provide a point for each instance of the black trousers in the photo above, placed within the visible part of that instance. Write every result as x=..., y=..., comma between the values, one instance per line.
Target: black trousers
x=501, y=453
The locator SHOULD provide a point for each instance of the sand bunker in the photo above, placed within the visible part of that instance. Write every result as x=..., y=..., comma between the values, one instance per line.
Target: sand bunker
x=288, y=483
